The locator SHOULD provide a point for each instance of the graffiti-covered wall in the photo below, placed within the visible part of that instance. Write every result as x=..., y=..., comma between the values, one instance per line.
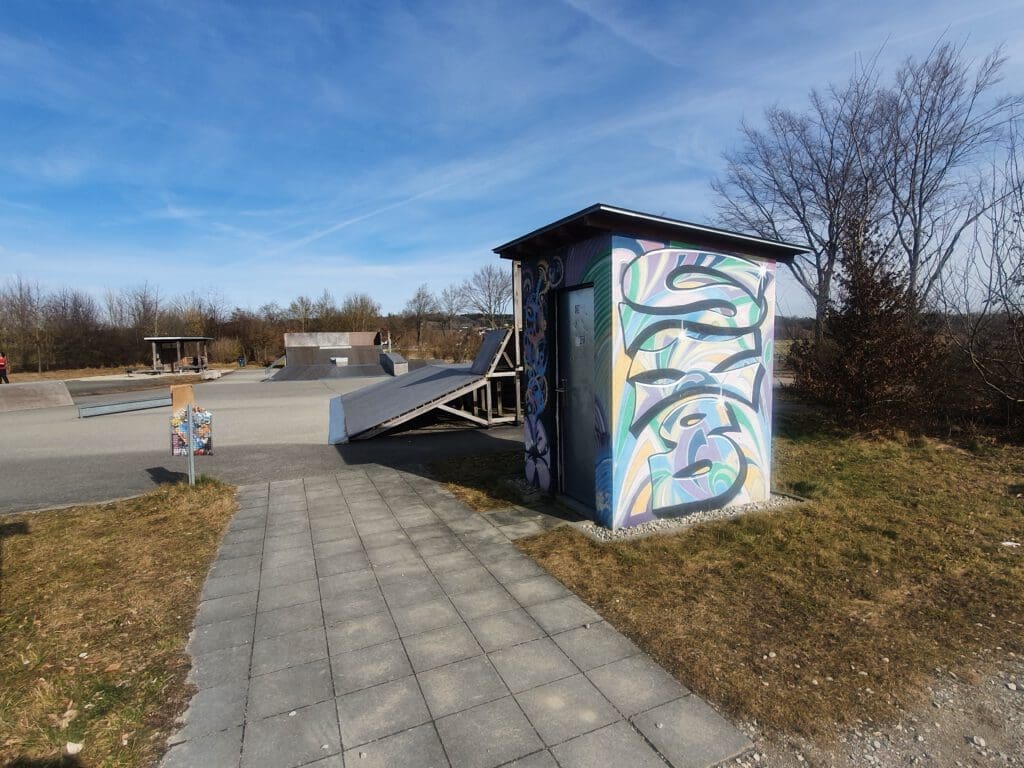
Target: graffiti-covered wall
x=682, y=373
x=585, y=263
x=691, y=385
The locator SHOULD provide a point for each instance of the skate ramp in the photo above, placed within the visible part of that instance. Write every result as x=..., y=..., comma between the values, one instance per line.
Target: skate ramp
x=34, y=394
x=379, y=407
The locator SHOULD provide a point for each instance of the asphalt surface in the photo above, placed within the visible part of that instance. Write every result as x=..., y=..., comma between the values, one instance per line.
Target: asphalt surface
x=263, y=432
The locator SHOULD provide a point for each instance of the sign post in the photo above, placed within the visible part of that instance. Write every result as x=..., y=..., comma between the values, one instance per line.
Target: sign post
x=190, y=433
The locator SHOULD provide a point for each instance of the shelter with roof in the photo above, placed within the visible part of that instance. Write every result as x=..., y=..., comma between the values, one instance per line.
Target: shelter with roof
x=647, y=354
x=171, y=353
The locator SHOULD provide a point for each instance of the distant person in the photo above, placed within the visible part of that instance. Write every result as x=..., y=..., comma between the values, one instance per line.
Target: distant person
x=3, y=368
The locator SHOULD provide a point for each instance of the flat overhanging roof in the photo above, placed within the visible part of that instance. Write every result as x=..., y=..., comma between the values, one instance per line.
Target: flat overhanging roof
x=169, y=339
x=601, y=219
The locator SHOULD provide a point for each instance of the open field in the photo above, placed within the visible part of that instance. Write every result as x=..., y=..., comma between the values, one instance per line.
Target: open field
x=811, y=618
x=96, y=603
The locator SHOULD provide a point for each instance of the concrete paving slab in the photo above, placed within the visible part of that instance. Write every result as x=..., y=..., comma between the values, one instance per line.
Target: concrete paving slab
x=387, y=574
x=451, y=561
x=531, y=664
x=366, y=667
x=296, y=593
x=222, y=634
x=380, y=711
x=353, y=634
x=220, y=667
x=288, y=650
x=292, y=618
x=692, y=735
x=430, y=618
x=291, y=739
x=290, y=688
x=219, y=708
x=467, y=580
x=562, y=614
x=289, y=574
x=514, y=569
x=254, y=532
x=441, y=646
x=342, y=583
x=242, y=549
x=461, y=685
x=595, y=645
x=285, y=541
x=488, y=735
x=483, y=602
x=417, y=746
x=223, y=748
x=616, y=744
x=337, y=547
x=505, y=629
x=636, y=684
x=335, y=564
x=280, y=558
x=440, y=545
x=537, y=589
x=566, y=708
x=352, y=605
x=421, y=617
x=410, y=591
x=235, y=565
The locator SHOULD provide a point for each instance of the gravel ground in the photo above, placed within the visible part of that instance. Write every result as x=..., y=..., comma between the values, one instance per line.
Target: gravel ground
x=959, y=723
x=676, y=524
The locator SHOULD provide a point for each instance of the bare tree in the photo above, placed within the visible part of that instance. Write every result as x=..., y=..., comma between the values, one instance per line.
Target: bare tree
x=984, y=300
x=73, y=329
x=419, y=309
x=188, y=314
x=23, y=322
x=326, y=313
x=301, y=311
x=451, y=302
x=939, y=119
x=809, y=178
x=489, y=292
x=359, y=312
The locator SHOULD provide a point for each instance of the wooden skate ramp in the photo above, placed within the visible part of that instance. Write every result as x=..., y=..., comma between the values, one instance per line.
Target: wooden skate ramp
x=473, y=392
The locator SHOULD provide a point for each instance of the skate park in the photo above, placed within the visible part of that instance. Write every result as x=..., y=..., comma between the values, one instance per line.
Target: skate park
x=264, y=430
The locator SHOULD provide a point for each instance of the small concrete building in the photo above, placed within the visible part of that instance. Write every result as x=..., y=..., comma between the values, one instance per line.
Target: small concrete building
x=647, y=354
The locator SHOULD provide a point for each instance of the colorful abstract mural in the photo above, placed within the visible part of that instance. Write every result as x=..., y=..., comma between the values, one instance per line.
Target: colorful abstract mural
x=691, y=380
x=538, y=280
x=584, y=263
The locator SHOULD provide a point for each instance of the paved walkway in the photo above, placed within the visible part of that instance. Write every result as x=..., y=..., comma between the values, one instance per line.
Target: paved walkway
x=367, y=618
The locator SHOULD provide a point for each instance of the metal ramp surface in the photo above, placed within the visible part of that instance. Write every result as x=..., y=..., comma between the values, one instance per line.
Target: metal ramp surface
x=474, y=392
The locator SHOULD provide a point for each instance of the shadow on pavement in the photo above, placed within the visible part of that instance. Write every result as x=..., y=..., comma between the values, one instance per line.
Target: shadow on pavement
x=165, y=476
x=410, y=449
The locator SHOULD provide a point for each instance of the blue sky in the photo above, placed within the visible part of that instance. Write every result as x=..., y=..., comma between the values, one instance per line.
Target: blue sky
x=268, y=149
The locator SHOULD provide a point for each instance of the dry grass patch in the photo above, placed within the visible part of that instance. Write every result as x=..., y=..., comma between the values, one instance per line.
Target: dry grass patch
x=96, y=603
x=482, y=482
x=839, y=610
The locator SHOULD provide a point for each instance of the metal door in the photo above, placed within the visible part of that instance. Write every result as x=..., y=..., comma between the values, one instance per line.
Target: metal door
x=576, y=394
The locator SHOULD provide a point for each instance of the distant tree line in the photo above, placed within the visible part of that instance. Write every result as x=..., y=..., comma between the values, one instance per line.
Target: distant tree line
x=69, y=328
x=910, y=197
